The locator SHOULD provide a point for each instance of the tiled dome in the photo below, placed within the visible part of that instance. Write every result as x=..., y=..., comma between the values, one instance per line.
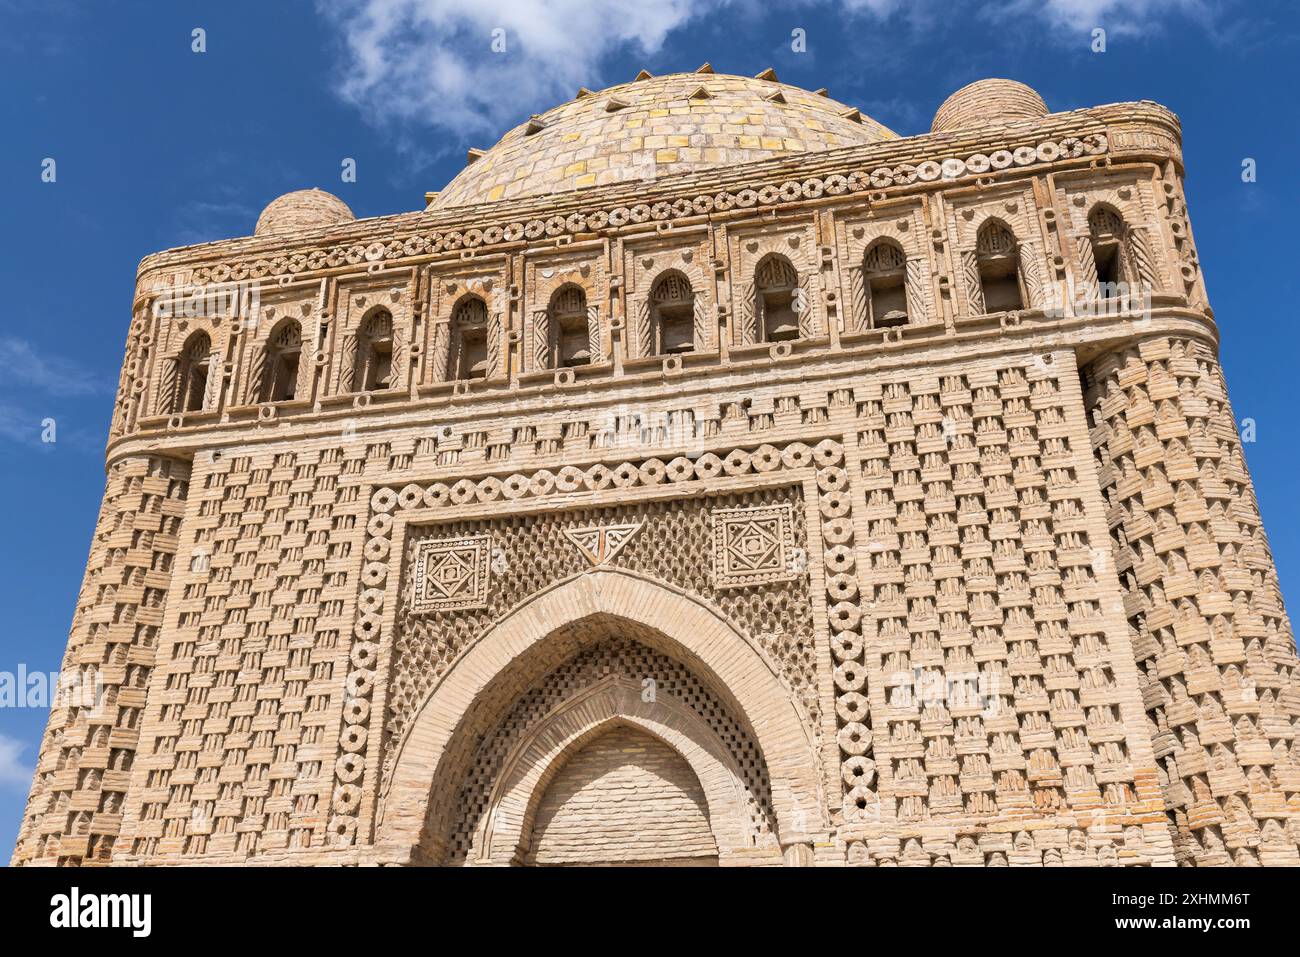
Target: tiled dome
x=656, y=127
x=987, y=101
x=302, y=209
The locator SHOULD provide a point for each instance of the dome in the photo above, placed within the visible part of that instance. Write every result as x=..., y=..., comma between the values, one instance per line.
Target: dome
x=302, y=209
x=655, y=127
x=988, y=101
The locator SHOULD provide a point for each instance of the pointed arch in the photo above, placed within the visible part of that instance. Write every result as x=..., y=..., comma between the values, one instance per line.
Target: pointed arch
x=1108, y=240
x=884, y=284
x=777, y=299
x=467, y=356
x=372, y=367
x=672, y=314
x=1000, y=283
x=568, y=333
x=432, y=754
x=535, y=761
x=194, y=368
x=280, y=364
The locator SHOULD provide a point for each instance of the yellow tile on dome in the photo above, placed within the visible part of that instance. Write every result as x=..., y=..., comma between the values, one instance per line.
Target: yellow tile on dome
x=496, y=193
x=574, y=168
x=665, y=156
x=771, y=143
x=588, y=180
x=658, y=113
x=749, y=142
x=679, y=141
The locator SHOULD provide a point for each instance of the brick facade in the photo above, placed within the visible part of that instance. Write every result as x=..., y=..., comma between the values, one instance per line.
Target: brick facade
x=826, y=497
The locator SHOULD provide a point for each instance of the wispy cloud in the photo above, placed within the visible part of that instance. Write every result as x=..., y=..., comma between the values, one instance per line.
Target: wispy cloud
x=432, y=63
x=203, y=221
x=1118, y=17
x=13, y=772
x=39, y=396
x=36, y=368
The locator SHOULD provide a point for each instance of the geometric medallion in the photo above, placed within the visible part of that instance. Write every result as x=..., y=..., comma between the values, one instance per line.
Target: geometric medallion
x=451, y=573
x=752, y=546
x=600, y=543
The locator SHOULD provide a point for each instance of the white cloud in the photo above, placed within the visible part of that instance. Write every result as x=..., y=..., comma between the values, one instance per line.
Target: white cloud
x=429, y=63
x=432, y=62
x=1120, y=17
x=13, y=773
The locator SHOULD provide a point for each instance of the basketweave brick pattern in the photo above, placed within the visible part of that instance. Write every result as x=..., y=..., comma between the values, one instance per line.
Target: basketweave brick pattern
x=605, y=656
x=1215, y=650
x=90, y=744
x=637, y=794
x=994, y=678
x=240, y=731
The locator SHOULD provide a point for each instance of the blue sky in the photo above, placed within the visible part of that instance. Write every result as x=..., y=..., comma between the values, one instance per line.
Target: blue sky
x=158, y=146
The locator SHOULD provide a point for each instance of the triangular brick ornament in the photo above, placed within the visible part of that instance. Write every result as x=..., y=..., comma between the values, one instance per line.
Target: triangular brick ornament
x=600, y=543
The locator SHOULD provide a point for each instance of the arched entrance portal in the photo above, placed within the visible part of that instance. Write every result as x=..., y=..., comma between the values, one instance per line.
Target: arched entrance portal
x=505, y=756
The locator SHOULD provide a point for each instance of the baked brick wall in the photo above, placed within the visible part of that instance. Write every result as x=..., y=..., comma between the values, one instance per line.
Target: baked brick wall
x=240, y=733
x=1216, y=654
x=74, y=813
x=623, y=797
x=996, y=670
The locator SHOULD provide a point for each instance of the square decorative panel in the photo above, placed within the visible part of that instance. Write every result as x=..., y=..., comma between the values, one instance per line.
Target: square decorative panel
x=752, y=546
x=451, y=573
